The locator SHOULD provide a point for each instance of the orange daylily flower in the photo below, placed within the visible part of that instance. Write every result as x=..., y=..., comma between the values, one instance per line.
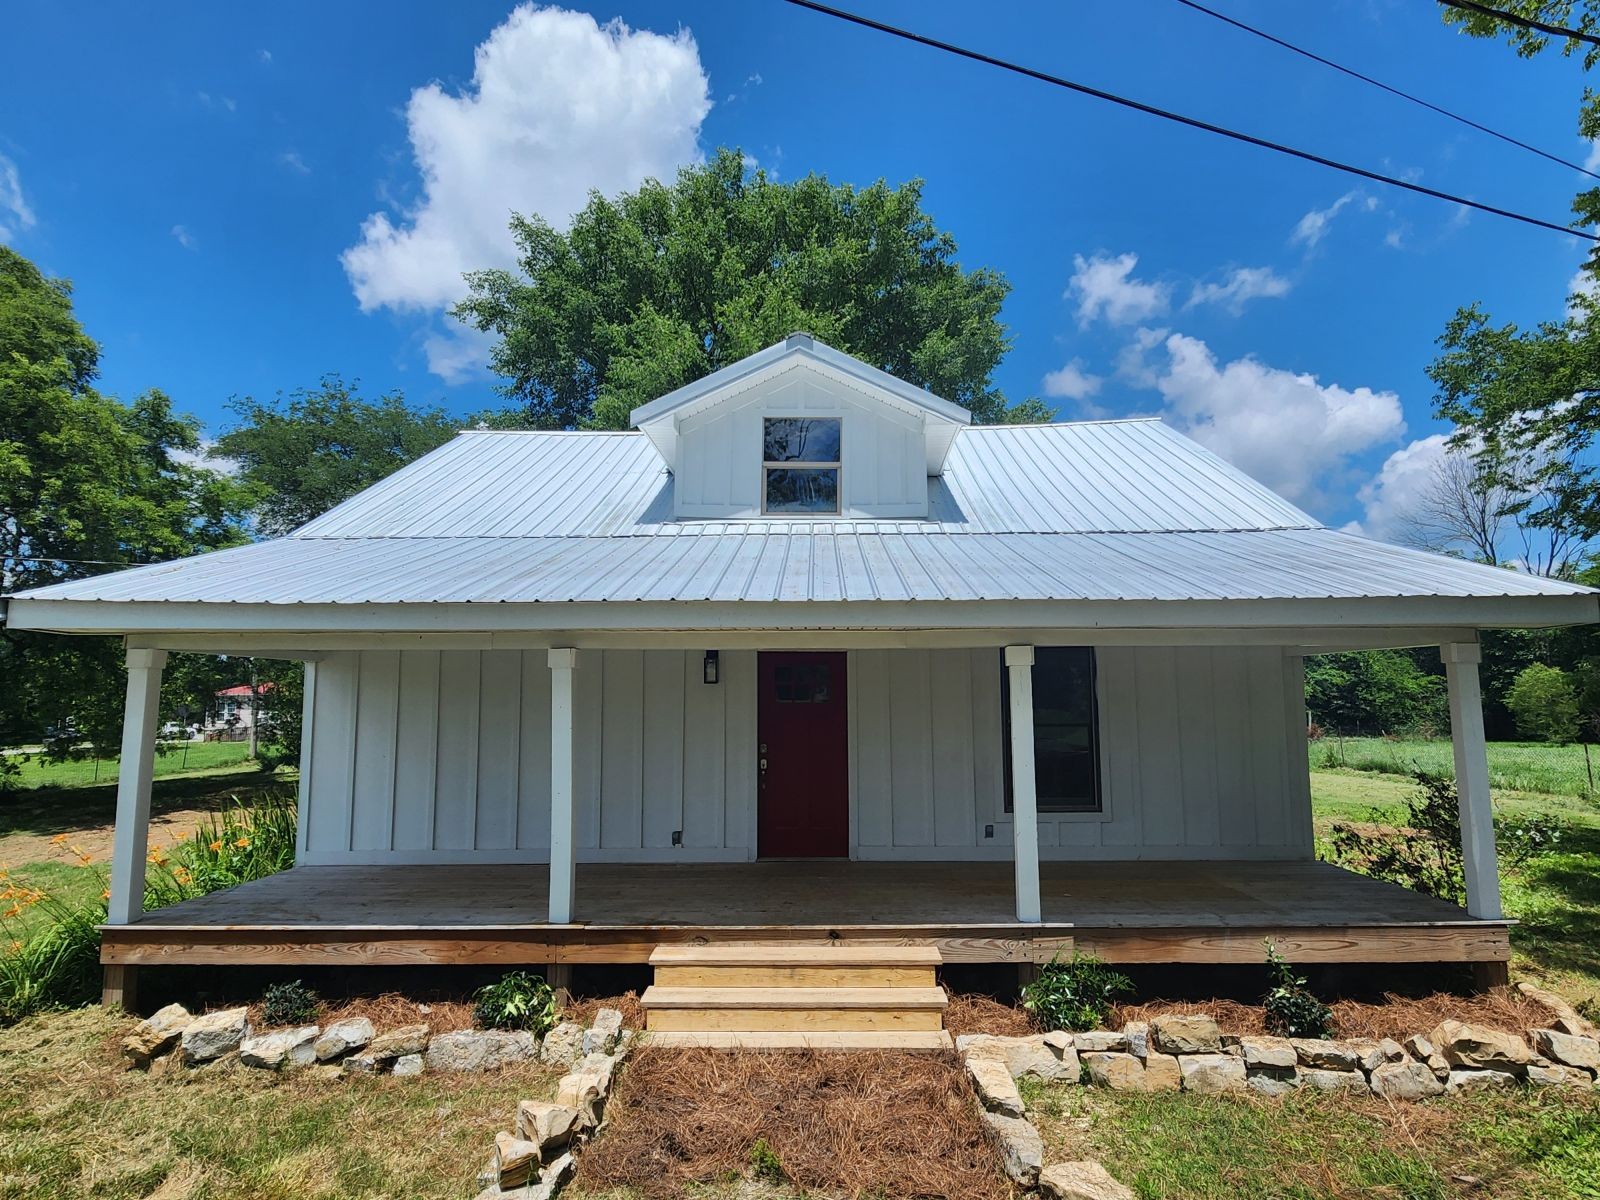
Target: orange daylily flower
x=216, y=846
x=243, y=843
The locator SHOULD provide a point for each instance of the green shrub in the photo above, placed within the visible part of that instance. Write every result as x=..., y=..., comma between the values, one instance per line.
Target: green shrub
x=289, y=1004
x=1074, y=995
x=1544, y=704
x=1423, y=853
x=1292, y=1011
x=517, y=1001
x=54, y=966
x=764, y=1164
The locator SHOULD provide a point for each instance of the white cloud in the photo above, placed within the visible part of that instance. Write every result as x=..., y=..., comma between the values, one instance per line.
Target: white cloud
x=15, y=214
x=1396, y=493
x=1072, y=382
x=206, y=459
x=1242, y=285
x=292, y=160
x=184, y=237
x=1313, y=227
x=1283, y=428
x=1582, y=283
x=1104, y=287
x=265, y=56
x=457, y=352
x=558, y=105
x=210, y=101
x=1592, y=162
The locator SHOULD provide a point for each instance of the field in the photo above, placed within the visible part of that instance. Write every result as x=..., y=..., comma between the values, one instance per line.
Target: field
x=1513, y=766
x=186, y=758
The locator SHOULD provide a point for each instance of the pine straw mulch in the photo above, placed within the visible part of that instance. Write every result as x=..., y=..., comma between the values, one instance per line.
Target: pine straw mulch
x=583, y=1011
x=873, y=1123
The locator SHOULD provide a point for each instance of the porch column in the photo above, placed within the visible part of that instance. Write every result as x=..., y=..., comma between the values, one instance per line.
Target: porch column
x=563, y=880
x=1472, y=778
x=1024, y=795
x=139, y=716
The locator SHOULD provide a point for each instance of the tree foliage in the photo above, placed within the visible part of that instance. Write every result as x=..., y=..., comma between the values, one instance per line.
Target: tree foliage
x=1373, y=691
x=306, y=452
x=87, y=483
x=659, y=287
x=1545, y=704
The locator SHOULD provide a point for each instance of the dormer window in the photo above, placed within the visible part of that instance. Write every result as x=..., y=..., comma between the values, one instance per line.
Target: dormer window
x=801, y=464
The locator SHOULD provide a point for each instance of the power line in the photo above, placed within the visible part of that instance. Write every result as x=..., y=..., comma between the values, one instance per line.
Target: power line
x=1378, y=83
x=1510, y=18
x=1191, y=122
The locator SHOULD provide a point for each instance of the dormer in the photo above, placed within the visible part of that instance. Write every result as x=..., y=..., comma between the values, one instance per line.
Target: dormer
x=801, y=430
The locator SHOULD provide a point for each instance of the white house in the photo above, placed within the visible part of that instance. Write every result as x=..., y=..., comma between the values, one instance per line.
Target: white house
x=807, y=655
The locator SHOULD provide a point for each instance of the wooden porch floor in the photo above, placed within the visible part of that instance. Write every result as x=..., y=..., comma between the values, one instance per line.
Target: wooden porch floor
x=1127, y=912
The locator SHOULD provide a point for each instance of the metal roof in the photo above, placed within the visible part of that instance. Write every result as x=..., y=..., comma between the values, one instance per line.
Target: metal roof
x=1118, y=510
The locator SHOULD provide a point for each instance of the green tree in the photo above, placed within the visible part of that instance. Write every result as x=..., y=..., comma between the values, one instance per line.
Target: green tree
x=87, y=483
x=662, y=286
x=1545, y=704
x=1373, y=691
x=305, y=453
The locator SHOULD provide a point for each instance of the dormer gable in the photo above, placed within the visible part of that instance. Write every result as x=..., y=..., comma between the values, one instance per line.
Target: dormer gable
x=801, y=429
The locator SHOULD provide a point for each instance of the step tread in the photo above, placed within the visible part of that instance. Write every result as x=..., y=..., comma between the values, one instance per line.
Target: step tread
x=889, y=1039
x=786, y=954
x=657, y=996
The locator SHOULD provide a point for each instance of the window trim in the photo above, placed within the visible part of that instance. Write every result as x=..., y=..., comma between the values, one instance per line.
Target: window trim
x=834, y=465
x=1095, y=810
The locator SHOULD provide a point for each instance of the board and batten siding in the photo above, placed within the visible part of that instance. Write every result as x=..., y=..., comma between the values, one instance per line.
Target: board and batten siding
x=444, y=756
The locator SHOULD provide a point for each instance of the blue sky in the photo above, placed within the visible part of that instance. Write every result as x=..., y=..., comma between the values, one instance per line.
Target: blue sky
x=248, y=197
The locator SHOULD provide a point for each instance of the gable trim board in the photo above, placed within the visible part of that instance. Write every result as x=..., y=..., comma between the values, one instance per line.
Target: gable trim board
x=659, y=751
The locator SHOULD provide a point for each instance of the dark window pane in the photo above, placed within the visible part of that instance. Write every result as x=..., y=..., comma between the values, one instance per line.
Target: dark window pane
x=1065, y=730
x=807, y=684
x=812, y=490
x=801, y=439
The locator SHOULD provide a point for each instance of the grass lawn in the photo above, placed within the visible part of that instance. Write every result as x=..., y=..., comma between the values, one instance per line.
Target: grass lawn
x=185, y=759
x=1513, y=766
x=74, y=1122
x=1517, y=1145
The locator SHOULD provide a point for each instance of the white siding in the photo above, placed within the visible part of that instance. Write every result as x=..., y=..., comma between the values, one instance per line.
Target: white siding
x=884, y=466
x=444, y=756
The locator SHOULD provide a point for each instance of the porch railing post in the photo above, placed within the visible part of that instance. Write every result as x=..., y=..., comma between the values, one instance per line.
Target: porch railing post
x=1472, y=778
x=1024, y=794
x=139, y=715
x=563, y=876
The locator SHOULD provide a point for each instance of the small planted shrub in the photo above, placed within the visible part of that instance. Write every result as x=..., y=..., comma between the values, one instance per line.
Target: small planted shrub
x=1292, y=1011
x=1077, y=994
x=517, y=1001
x=764, y=1164
x=289, y=1004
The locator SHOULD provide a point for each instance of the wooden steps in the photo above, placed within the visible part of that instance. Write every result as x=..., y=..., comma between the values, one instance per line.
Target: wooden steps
x=789, y=996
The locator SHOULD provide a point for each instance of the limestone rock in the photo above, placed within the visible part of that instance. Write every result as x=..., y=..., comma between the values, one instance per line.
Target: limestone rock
x=1567, y=1050
x=480, y=1049
x=1021, y=1148
x=1272, y=1081
x=549, y=1125
x=1369, y=1054
x=217, y=1033
x=1211, y=1074
x=996, y=1089
x=563, y=1045
x=364, y=1064
x=1418, y=1046
x=1186, y=1035
x=1100, y=1041
x=1274, y=1052
x=1125, y=1073
x=1138, y=1035
x=1325, y=1055
x=1559, y=1076
x=1569, y=1020
x=1467, y=1080
x=285, y=1048
x=1035, y=1056
x=157, y=1033
x=1392, y=1050
x=1326, y=1080
x=514, y=1160
x=1162, y=1073
x=1081, y=1181
x=601, y=1037
x=408, y=1039
x=343, y=1037
x=1476, y=1047
x=585, y=1092
x=1410, y=1080
x=408, y=1064
x=554, y=1177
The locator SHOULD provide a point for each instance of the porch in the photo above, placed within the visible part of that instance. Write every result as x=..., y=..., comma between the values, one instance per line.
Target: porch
x=1127, y=912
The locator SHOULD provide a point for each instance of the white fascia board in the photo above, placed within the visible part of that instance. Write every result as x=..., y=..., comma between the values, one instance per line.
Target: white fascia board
x=1484, y=612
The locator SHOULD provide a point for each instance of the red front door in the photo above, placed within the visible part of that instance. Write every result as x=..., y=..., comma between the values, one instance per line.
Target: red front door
x=803, y=809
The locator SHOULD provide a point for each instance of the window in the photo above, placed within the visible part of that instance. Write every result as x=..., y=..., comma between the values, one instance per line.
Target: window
x=1066, y=729
x=806, y=683
x=800, y=464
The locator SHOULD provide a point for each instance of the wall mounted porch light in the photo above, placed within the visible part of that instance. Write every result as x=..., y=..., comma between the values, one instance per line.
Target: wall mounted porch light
x=709, y=667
